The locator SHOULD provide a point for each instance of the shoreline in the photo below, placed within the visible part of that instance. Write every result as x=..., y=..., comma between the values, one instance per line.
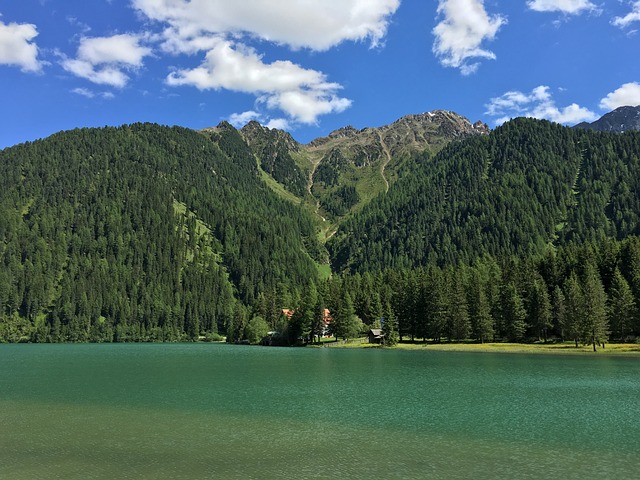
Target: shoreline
x=567, y=348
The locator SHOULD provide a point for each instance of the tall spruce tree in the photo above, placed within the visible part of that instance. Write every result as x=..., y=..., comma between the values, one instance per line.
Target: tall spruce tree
x=389, y=327
x=596, y=322
x=621, y=307
x=573, y=308
x=512, y=312
x=482, y=322
x=540, y=315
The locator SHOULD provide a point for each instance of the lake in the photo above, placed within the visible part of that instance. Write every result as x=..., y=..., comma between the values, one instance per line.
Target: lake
x=191, y=411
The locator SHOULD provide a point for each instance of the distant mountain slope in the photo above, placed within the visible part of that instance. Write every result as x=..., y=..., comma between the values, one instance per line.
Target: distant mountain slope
x=346, y=169
x=528, y=184
x=620, y=120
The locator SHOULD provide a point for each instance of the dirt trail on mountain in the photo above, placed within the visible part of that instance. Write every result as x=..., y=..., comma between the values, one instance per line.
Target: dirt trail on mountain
x=387, y=153
x=314, y=167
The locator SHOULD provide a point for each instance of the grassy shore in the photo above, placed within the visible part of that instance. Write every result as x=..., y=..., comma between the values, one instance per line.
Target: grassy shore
x=554, y=348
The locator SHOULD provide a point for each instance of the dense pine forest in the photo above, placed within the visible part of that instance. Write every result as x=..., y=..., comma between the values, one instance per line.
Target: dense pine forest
x=529, y=186
x=150, y=233
x=140, y=233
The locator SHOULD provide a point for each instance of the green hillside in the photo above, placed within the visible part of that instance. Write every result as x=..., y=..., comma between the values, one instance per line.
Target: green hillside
x=141, y=232
x=151, y=233
x=527, y=186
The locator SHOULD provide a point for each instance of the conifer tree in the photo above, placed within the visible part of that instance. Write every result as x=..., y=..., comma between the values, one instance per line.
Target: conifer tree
x=558, y=308
x=482, y=322
x=459, y=323
x=513, y=313
x=390, y=327
x=344, y=324
x=573, y=308
x=596, y=322
x=621, y=307
x=540, y=315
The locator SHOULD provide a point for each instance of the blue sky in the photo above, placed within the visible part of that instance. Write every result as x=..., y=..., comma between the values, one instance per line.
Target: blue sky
x=311, y=66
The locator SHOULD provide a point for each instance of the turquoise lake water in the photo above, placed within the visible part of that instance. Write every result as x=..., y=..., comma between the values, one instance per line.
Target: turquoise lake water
x=183, y=411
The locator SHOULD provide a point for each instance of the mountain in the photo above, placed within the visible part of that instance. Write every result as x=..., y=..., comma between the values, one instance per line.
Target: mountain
x=527, y=186
x=147, y=233
x=620, y=120
x=142, y=232
x=348, y=168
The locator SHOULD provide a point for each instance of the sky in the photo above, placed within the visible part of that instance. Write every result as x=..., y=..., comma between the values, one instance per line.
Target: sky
x=310, y=66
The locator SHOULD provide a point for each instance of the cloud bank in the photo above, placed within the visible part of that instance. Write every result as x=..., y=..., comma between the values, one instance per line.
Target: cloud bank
x=303, y=94
x=536, y=104
x=225, y=30
x=318, y=25
x=459, y=36
x=627, y=95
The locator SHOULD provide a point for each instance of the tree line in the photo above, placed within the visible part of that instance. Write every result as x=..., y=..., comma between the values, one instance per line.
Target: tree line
x=584, y=293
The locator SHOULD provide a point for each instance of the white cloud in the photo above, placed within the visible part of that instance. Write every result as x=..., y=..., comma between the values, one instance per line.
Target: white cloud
x=537, y=104
x=241, y=119
x=629, y=18
x=301, y=93
x=459, y=36
x=318, y=25
x=571, y=7
x=627, y=95
x=224, y=30
x=279, y=123
x=104, y=60
x=85, y=92
x=17, y=48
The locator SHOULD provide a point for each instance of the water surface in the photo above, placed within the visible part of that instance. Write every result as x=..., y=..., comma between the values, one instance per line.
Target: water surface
x=218, y=411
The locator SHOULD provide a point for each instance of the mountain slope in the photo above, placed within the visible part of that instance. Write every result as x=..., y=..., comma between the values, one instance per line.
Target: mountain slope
x=620, y=120
x=526, y=185
x=349, y=167
x=140, y=232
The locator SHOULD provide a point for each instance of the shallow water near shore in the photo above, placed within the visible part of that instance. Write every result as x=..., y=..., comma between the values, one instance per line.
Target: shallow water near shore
x=219, y=411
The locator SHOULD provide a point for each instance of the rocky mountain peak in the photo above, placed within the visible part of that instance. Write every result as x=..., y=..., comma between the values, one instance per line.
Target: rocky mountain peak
x=620, y=120
x=254, y=133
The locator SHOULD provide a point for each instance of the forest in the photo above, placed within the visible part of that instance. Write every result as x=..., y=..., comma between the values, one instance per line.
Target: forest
x=528, y=186
x=142, y=233
x=152, y=233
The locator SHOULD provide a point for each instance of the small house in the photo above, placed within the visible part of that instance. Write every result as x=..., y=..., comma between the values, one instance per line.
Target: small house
x=376, y=336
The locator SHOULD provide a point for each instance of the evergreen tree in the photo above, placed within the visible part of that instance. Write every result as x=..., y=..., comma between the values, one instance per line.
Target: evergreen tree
x=318, y=323
x=459, y=323
x=482, y=322
x=621, y=307
x=559, y=311
x=596, y=323
x=345, y=324
x=390, y=327
x=513, y=313
x=574, y=308
x=540, y=314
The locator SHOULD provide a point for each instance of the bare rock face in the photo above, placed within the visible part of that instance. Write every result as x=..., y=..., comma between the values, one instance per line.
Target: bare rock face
x=409, y=134
x=620, y=120
x=349, y=166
